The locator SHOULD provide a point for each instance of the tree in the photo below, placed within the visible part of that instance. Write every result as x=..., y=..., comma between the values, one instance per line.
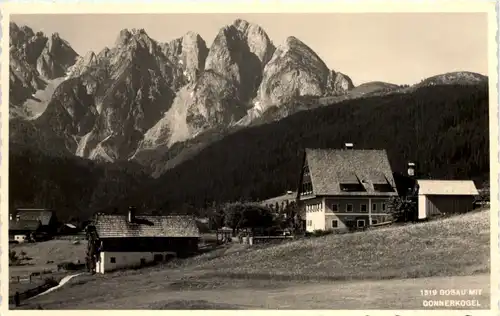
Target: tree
x=247, y=215
x=402, y=209
x=484, y=193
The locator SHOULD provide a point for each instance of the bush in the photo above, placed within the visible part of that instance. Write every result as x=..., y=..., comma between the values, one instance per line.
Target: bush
x=13, y=258
x=402, y=209
x=51, y=281
x=321, y=232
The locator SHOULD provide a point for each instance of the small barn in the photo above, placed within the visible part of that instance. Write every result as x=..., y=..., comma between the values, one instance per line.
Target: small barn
x=47, y=218
x=126, y=241
x=21, y=230
x=440, y=197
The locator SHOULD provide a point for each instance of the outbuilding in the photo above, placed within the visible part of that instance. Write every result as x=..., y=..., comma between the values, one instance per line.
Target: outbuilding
x=441, y=197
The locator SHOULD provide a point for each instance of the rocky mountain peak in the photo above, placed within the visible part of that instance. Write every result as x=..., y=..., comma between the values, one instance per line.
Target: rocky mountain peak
x=140, y=95
x=123, y=37
x=296, y=70
x=240, y=52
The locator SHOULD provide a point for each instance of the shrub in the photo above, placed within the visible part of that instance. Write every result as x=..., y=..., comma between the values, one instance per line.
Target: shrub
x=321, y=232
x=402, y=209
x=51, y=281
x=13, y=258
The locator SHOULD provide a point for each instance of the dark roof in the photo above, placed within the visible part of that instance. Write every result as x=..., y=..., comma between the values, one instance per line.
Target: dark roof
x=117, y=226
x=29, y=225
x=282, y=198
x=41, y=215
x=330, y=168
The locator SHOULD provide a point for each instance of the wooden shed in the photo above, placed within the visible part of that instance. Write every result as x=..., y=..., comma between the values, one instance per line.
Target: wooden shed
x=441, y=197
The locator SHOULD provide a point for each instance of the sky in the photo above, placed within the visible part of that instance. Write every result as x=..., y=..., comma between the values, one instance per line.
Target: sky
x=400, y=48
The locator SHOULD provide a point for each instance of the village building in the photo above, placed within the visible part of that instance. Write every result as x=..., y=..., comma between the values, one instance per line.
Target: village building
x=441, y=197
x=23, y=223
x=345, y=188
x=21, y=230
x=126, y=241
x=280, y=203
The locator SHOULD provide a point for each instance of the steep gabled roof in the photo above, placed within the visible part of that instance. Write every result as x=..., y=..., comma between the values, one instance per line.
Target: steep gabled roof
x=27, y=225
x=42, y=215
x=446, y=187
x=330, y=169
x=117, y=226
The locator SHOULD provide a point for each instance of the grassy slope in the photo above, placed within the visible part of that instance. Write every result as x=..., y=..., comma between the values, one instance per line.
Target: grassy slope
x=454, y=246
x=450, y=247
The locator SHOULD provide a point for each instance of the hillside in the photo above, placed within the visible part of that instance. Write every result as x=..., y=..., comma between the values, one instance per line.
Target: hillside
x=75, y=187
x=444, y=129
x=394, y=247
x=278, y=275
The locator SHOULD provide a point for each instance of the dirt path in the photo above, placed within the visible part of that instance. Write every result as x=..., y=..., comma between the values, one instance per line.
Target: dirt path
x=389, y=294
x=64, y=280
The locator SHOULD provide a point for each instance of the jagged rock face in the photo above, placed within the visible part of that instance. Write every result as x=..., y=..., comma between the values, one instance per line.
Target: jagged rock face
x=239, y=52
x=34, y=58
x=296, y=70
x=131, y=92
x=209, y=103
x=56, y=57
x=338, y=83
x=137, y=99
x=189, y=54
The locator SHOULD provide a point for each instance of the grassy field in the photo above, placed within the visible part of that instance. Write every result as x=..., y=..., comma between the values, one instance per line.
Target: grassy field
x=384, y=268
x=40, y=254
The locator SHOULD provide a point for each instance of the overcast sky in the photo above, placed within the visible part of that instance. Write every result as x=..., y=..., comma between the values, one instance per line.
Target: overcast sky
x=401, y=48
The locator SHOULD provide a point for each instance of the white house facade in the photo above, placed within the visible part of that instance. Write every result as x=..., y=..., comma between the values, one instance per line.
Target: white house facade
x=123, y=241
x=345, y=189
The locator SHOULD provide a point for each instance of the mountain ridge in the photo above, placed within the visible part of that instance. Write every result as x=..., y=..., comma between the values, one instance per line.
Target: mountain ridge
x=156, y=104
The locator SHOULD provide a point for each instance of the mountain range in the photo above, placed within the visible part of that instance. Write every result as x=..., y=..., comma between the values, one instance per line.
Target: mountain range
x=136, y=100
x=151, y=106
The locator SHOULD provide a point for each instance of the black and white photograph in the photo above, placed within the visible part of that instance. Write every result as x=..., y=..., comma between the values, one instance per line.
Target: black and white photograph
x=251, y=160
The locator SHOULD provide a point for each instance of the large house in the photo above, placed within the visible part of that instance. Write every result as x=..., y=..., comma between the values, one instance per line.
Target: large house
x=345, y=188
x=440, y=197
x=124, y=241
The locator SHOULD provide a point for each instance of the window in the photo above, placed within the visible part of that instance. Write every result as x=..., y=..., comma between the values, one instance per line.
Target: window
x=309, y=223
x=386, y=187
x=335, y=208
x=306, y=171
x=143, y=261
x=374, y=207
x=361, y=223
x=348, y=207
x=364, y=208
x=374, y=221
x=112, y=260
x=306, y=188
x=383, y=207
x=335, y=223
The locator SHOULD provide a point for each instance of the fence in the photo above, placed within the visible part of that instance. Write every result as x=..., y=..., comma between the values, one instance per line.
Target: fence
x=31, y=292
x=70, y=237
x=31, y=278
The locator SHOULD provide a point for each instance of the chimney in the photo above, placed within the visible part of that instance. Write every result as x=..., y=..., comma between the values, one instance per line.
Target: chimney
x=349, y=145
x=411, y=169
x=131, y=214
